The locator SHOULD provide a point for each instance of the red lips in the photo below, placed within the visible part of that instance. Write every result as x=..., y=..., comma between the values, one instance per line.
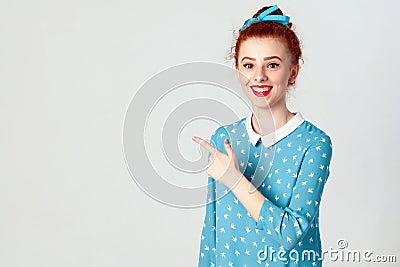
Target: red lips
x=261, y=94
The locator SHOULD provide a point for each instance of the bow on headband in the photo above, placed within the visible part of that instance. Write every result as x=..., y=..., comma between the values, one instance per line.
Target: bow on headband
x=265, y=16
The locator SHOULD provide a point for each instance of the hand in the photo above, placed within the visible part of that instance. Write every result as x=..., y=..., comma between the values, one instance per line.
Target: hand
x=222, y=167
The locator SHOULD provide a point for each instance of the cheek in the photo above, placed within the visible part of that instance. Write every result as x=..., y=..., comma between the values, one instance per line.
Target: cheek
x=280, y=77
x=244, y=78
x=244, y=81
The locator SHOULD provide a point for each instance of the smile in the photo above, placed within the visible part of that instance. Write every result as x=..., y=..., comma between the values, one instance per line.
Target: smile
x=261, y=90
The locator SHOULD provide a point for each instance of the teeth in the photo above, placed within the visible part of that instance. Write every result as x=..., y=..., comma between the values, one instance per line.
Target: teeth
x=260, y=90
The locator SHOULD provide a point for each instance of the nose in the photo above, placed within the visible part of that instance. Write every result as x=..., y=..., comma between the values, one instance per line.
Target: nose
x=260, y=75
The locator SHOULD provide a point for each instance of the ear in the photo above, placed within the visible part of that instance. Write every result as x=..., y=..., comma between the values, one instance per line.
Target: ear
x=293, y=73
x=238, y=74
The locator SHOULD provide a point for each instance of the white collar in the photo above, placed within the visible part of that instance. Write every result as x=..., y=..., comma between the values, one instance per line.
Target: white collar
x=274, y=137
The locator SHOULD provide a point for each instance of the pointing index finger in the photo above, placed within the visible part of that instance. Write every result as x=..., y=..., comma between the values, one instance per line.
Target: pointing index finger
x=204, y=144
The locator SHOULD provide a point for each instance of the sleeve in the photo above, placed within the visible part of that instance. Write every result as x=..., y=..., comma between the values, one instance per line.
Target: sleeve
x=207, y=255
x=289, y=225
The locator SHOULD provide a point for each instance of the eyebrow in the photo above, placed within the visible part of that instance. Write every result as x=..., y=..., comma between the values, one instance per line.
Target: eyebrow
x=266, y=58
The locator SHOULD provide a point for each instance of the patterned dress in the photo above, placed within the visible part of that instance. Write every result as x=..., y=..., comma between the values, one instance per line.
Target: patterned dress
x=290, y=167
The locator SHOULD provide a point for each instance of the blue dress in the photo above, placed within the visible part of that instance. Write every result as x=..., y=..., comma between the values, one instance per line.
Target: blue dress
x=290, y=168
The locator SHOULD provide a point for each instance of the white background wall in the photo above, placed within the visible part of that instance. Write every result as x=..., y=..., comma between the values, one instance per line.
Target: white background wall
x=68, y=70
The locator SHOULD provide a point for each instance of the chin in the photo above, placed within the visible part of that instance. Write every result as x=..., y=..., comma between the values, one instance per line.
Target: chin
x=260, y=103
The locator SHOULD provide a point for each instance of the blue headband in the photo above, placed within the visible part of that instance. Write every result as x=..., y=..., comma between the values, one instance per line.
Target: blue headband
x=265, y=16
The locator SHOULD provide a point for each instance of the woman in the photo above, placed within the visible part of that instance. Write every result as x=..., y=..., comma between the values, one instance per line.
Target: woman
x=265, y=179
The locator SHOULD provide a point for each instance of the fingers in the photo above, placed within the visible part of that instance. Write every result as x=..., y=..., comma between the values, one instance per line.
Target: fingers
x=228, y=147
x=204, y=144
x=212, y=149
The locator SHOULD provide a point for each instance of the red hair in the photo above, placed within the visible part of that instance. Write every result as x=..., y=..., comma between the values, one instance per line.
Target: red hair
x=270, y=29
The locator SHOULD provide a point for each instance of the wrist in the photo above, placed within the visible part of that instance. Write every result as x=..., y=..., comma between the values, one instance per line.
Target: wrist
x=241, y=184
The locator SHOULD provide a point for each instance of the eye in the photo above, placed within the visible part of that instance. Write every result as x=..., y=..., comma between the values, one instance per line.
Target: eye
x=248, y=65
x=273, y=65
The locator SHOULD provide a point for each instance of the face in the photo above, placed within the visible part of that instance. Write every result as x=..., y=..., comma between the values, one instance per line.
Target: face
x=266, y=71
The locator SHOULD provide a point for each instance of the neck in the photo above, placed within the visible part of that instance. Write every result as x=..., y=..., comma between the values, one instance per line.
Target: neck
x=265, y=121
